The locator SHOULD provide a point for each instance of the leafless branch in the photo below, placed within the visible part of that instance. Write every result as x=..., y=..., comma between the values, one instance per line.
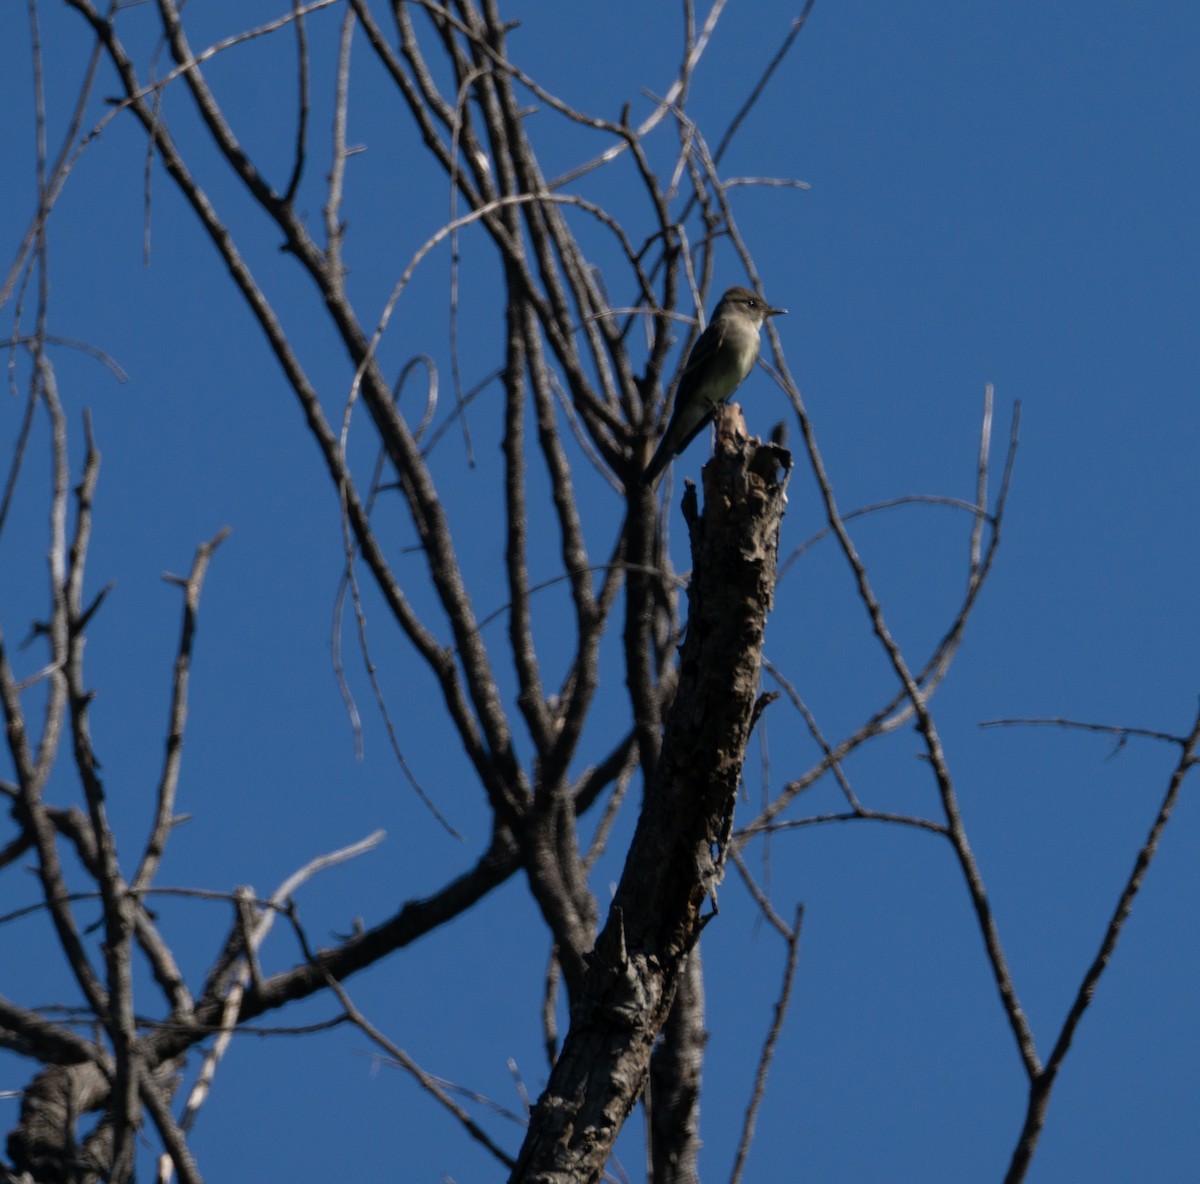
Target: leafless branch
x=1120, y=731
x=1042, y=1080
x=164, y=817
x=792, y=939
x=428, y=1083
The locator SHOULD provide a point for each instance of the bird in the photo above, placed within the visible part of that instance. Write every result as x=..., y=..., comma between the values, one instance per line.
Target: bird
x=718, y=364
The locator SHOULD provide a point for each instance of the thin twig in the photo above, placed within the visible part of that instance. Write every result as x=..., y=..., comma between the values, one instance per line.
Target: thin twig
x=1042, y=1082
x=423, y=1079
x=761, y=84
x=334, y=228
x=303, y=97
x=169, y=780
x=981, y=484
x=1122, y=732
x=861, y=815
x=231, y=1006
x=663, y=107
x=768, y=1052
x=178, y=1155
x=914, y=499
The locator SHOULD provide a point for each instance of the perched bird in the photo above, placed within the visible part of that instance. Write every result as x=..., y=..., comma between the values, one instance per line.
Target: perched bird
x=718, y=364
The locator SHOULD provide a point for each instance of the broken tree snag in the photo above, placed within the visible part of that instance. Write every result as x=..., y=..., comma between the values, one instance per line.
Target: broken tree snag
x=677, y=855
x=743, y=454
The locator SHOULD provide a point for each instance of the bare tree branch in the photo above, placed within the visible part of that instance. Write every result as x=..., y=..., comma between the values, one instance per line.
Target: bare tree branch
x=1042, y=1082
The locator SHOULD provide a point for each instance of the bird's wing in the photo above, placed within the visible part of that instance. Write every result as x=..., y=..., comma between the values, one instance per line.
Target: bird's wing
x=707, y=346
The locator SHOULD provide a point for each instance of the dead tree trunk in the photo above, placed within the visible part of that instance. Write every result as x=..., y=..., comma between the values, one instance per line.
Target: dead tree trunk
x=678, y=852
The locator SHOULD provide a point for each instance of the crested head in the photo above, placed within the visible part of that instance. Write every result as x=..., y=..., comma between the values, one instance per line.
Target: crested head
x=743, y=300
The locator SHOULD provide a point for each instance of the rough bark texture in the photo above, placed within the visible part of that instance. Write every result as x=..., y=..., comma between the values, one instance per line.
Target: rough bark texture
x=43, y=1142
x=675, y=1075
x=678, y=851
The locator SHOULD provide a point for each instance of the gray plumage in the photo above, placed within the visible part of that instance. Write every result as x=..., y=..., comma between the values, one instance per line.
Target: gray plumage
x=718, y=364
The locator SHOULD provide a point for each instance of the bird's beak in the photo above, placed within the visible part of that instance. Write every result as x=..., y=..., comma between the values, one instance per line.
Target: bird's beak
x=776, y=312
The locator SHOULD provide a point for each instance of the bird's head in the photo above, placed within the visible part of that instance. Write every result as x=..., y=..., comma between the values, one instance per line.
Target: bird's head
x=747, y=301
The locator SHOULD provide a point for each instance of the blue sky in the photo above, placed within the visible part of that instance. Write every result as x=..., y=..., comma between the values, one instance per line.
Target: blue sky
x=999, y=194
